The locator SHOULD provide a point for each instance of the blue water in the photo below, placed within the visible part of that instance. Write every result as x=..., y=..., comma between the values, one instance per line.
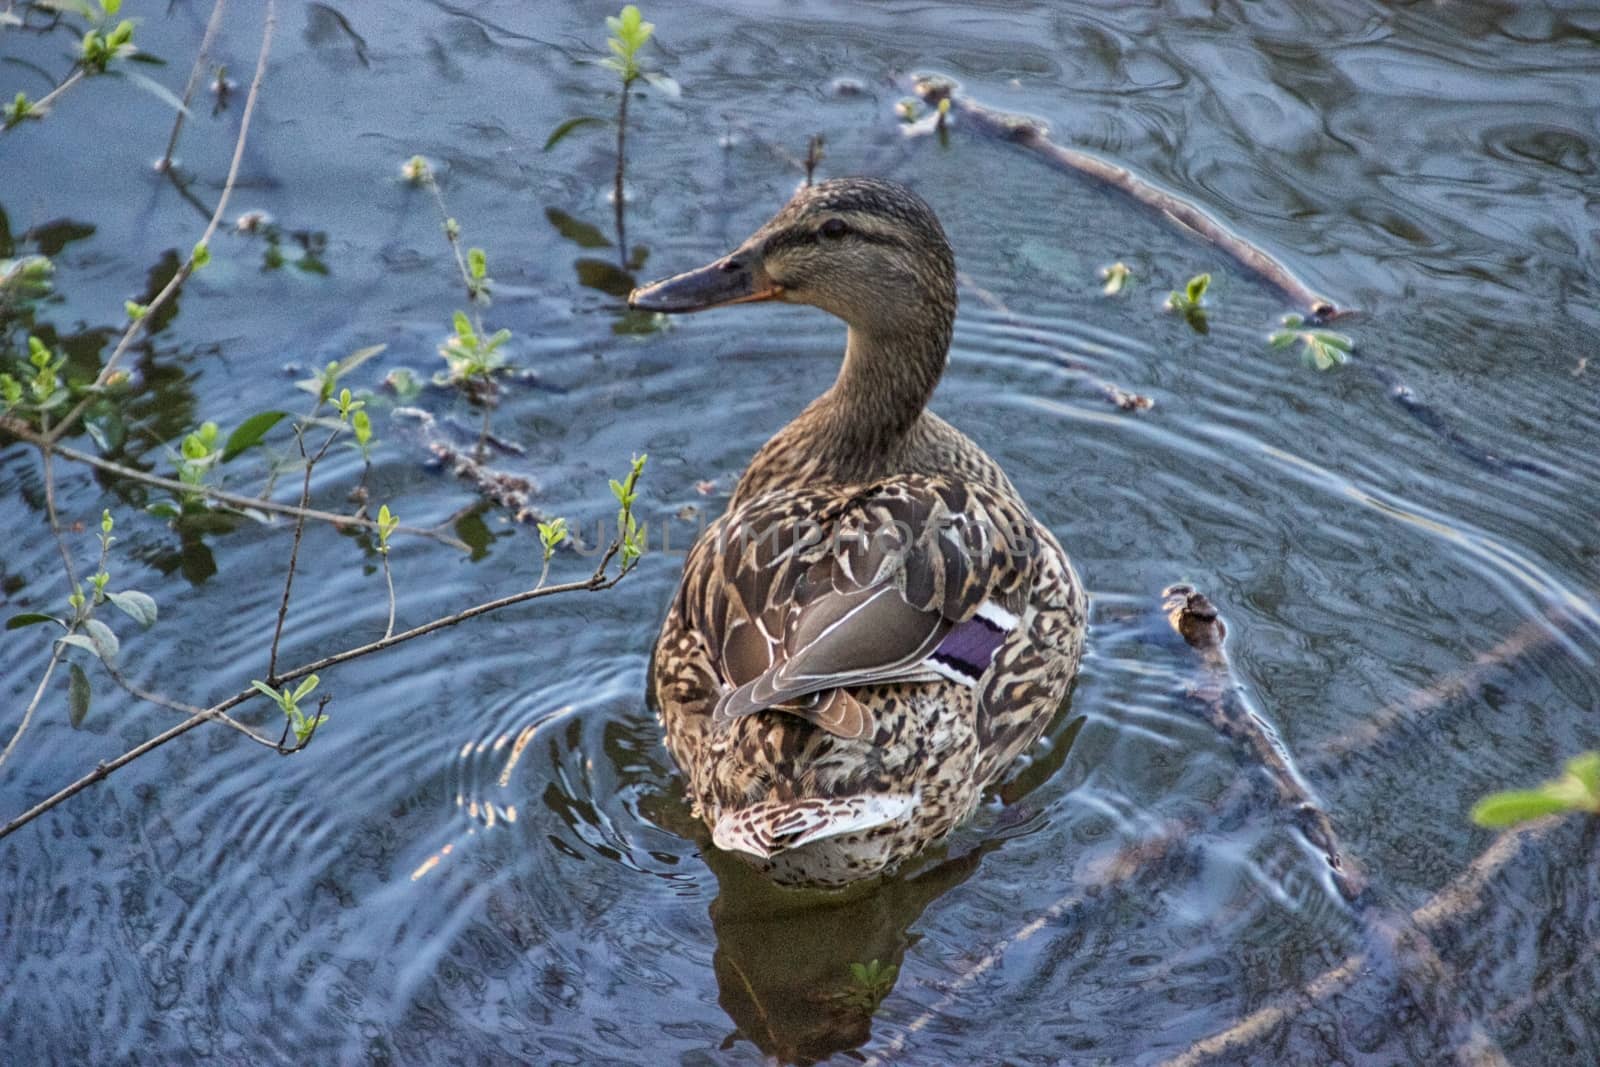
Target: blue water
x=485, y=856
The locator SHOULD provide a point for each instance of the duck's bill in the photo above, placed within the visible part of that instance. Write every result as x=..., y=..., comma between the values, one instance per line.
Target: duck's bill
x=724, y=282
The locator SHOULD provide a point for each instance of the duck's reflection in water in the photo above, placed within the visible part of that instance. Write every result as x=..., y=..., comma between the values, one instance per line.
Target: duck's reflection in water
x=801, y=972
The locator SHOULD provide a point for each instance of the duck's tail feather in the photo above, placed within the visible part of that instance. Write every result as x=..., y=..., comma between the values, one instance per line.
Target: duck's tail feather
x=775, y=826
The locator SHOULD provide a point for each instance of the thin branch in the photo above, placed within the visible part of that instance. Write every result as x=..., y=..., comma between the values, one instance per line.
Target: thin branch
x=294, y=550
x=388, y=579
x=54, y=518
x=42, y=104
x=212, y=25
x=33, y=705
x=26, y=433
x=1030, y=135
x=594, y=583
x=185, y=708
x=137, y=326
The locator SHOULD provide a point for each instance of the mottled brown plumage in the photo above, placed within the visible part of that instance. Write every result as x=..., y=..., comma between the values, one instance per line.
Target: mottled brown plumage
x=877, y=626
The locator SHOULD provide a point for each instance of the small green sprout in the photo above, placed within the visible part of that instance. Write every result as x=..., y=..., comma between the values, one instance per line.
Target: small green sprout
x=1116, y=278
x=361, y=426
x=98, y=48
x=1324, y=348
x=136, y=311
x=196, y=456
x=1192, y=299
x=1191, y=302
x=630, y=534
x=1576, y=790
x=10, y=391
x=46, y=388
x=629, y=32
x=478, y=280
x=387, y=524
x=288, y=702
x=416, y=171
x=551, y=534
x=201, y=255
x=347, y=406
x=470, y=355
x=452, y=229
x=20, y=110
x=27, y=278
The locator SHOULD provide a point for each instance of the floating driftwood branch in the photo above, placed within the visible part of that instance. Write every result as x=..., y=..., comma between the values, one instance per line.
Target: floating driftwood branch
x=1029, y=134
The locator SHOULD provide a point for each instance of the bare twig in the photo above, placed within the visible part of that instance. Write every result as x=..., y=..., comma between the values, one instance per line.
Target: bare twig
x=594, y=583
x=206, y=40
x=294, y=549
x=388, y=580
x=33, y=705
x=24, y=432
x=182, y=707
x=137, y=326
x=1032, y=136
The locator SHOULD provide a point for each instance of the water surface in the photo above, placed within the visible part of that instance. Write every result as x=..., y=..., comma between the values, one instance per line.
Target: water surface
x=485, y=856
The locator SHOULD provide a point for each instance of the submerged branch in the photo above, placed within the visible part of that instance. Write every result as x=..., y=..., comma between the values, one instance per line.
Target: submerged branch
x=1032, y=136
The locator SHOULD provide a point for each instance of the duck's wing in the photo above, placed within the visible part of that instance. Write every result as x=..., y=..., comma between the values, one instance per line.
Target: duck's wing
x=809, y=593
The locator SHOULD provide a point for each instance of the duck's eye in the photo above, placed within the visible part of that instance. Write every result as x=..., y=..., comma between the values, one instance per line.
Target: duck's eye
x=833, y=229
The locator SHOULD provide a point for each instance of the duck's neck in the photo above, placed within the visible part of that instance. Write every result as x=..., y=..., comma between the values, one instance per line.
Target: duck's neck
x=858, y=429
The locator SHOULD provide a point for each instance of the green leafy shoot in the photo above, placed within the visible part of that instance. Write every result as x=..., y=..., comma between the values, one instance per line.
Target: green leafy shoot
x=1576, y=790
x=629, y=32
x=288, y=702
x=1192, y=299
x=1115, y=276
x=20, y=110
x=630, y=534
x=1324, y=349
x=478, y=280
x=201, y=255
x=470, y=355
x=387, y=524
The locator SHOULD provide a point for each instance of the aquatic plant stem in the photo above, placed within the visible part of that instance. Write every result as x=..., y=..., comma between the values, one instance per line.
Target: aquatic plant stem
x=388, y=580
x=206, y=40
x=596, y=582
x=616, y=188
x=23, y=432
x=137, y=326
x=1032, y=136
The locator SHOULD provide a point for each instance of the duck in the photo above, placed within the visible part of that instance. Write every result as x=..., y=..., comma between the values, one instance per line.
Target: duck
x=877, y=627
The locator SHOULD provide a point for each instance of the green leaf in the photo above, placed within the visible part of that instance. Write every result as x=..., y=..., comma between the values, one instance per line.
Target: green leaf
x=79, y=641
x=1510, y=808
x=1196, y=289
x=477, y=263
x=266, y=690
x=250, y=432
x=155, y=89
x=1586, y=769
x=305, y=688
x=31, y=618
x=78, y=693
x=560, y=132
x=140, y=607
x=104, y=640
x=201, y=255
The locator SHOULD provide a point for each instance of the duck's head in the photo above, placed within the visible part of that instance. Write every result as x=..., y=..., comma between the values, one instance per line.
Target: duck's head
x=869, y=251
